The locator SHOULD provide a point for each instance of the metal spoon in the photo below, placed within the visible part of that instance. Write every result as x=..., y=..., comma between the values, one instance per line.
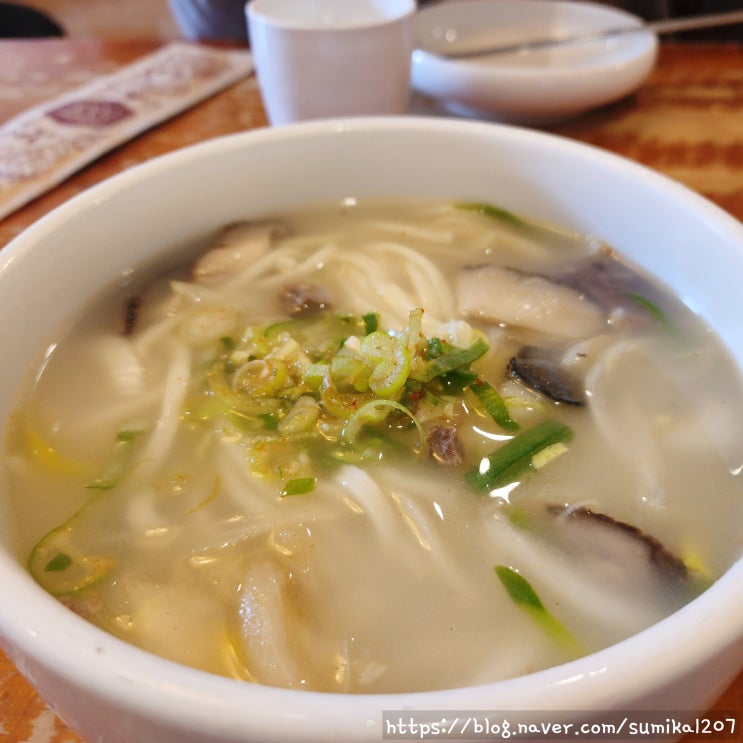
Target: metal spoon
x=666, y=26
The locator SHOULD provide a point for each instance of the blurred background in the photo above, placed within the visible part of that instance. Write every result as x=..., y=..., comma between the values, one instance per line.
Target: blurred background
x=154, y=19
x=112, y=18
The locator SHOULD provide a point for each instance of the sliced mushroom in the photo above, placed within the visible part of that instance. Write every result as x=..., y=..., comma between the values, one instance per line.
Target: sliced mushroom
x=238, y=246
x=618, y=546
x=444, y=445
x=305, y=298
x=547, y=377
x=504, y=295
x=610, y=284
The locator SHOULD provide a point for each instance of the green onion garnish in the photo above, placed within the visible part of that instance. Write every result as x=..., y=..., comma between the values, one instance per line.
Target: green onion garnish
x=127, y=435
x=649, y=306
x=494, y=405
x=122, y=451
x=435, y=348
x=372, y=412
x=60, y=562
x=525, y=597
x=496, y=212
x=455, y=381
x=454, y=359
x=270, y=421
x=229, y=344
x=371, y=322
x=513, y=460
x=298, y=486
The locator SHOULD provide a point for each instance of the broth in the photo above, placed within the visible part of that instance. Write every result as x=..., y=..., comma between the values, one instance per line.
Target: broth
x=381, y=447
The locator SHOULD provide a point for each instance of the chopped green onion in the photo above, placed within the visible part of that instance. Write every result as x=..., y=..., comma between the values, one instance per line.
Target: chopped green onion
x=59, y=566
x=494, y=405
x=496, y=212
x=122, y=452
x=525, y=597
x=435, y=348
x=320, y=335
x=519, y=589
x=513, y=460
x=416, y=341
x=213, y=493
x=278, y=327
x=350, y=371
x=346, y=455
x=228, y=343
x=340, y=404
x=546, y=455
x=455, y=381
x=302, y=417
x=127, y=435
x=270, y=421
x=454, y=359
x=371, y=322
x=390, y=361
x=519, y=517
x=315, y=373
x=261, y=377
x=298, y=486
x=251, y=422
x=649, y=306
x=60, y=561
x=372, y=412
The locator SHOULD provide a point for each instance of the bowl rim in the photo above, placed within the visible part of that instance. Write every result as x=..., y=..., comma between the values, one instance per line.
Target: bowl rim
x=385, y=15
x=629, y=50
x=116, y=670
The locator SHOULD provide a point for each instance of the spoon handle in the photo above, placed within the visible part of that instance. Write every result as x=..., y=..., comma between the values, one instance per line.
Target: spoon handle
x=665, y=26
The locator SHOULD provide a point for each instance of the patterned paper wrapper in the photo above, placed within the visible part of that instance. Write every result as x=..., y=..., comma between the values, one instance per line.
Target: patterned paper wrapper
x=46, y=144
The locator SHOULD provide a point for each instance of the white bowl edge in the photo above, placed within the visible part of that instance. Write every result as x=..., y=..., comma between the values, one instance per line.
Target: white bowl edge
x=303, y=715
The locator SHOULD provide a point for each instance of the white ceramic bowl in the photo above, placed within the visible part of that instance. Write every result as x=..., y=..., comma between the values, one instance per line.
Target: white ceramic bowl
x=536, y=88
x=110, y=691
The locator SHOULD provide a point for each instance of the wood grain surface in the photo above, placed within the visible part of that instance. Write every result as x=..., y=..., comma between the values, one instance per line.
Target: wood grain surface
x=686, y=121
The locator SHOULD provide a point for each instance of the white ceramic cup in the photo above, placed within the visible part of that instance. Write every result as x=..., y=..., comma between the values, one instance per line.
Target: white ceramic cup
x=324, y=58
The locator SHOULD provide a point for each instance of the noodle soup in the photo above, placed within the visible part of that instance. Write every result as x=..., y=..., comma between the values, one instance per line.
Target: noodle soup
x=381, y=447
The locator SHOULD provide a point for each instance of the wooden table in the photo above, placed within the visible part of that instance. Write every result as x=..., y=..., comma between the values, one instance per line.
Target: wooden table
x=686, y=121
